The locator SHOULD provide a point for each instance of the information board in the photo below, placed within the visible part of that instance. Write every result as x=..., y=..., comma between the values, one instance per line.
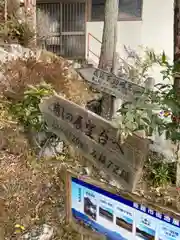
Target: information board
x=118, y=218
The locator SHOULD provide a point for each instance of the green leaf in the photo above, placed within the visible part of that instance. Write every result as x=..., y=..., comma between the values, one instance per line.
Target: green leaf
x=130, y=117
x=130, y=125
x=147, y=120
x=175, y=136
x=168, y=134
x=164, y=57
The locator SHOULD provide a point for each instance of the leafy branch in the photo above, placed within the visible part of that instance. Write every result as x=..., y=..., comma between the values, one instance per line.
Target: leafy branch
x=27, y=111
x=143, y=112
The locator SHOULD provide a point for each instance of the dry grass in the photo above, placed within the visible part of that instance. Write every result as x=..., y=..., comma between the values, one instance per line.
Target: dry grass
x=19, y=73
x=31, y=194
x=31, y=190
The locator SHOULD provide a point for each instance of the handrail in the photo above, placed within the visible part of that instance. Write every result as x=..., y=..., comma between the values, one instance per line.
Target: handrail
x=93, y=53
x=89, y=50
x=89, y=34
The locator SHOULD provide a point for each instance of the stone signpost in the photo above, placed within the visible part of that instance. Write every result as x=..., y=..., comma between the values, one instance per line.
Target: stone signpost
x=110, y=83
x=96, y=139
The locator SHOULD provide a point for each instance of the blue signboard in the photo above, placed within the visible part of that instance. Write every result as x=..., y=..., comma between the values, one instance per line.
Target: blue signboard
x=118, y=218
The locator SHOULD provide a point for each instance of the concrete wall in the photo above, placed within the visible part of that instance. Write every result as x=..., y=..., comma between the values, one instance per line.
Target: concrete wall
x=154, y=31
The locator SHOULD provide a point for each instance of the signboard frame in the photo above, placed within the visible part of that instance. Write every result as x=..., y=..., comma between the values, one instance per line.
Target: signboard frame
x=69, y=174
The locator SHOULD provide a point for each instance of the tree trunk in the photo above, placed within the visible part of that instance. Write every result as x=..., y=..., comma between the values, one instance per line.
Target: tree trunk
x=177, y=78
x=108, y=49
x=177, y=42
x=30, y=11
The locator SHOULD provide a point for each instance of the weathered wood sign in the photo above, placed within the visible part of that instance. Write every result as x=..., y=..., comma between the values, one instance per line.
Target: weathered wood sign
x=110, y=83
x=92, y=207
x=95, y=138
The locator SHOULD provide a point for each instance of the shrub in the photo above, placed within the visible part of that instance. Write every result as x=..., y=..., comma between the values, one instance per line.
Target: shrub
x=14, y=30
x=27, y=71
x=27, y=111
x=159, y=172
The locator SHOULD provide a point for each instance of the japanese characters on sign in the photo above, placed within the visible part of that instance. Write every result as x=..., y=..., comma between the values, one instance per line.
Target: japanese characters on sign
x=95, y=138
x=92, y=151
x=119, y=216
x=110, y=83
x=98, y=129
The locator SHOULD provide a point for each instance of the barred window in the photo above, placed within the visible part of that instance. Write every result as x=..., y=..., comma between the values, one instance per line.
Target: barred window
x=129, y=10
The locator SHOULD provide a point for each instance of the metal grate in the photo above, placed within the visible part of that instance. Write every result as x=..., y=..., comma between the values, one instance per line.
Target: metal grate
x=128, y=10
x=65, y=24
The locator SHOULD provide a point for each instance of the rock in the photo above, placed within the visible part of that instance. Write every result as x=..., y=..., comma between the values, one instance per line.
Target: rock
x=19, y=51
x=59, y=147
x=44, y=232
x=52, y=149
x=47, y=146
x=47, y=152
x=9, y=52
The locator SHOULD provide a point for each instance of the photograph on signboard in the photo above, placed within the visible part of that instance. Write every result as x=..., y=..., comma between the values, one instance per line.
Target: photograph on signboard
x=90, y=205
x=167, y=233
x=124, y=218
x=116, y=217
x=106, y=210
x=106, y=213
x=110, y=83
x=145, y=228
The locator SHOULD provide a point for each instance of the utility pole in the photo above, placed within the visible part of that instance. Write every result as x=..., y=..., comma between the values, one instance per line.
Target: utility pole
x=108, y=51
